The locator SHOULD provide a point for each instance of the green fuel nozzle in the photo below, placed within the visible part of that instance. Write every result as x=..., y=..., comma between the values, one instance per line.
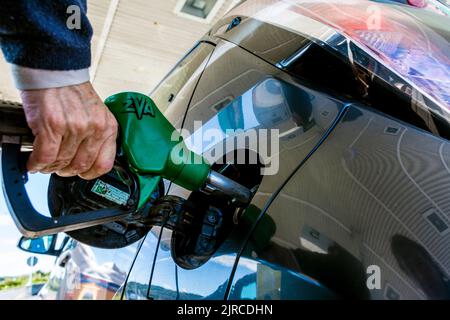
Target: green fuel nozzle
x=154, y=149
x=149, y=150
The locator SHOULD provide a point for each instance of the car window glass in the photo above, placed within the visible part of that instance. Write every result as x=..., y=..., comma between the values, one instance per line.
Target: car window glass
x=396, y=84
x=174, y=92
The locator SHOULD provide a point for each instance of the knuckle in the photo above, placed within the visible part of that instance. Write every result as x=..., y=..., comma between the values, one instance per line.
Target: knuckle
x=63, y=162
x=112, y=131
x=65, y=174
x=51, y=168
x=45, y=158
x=113, y=124
x=102, y=167
x=99, y=124
x=79, y=126
x=85, y=176
x=57, y=123
x=35, y=125
x=80, y=167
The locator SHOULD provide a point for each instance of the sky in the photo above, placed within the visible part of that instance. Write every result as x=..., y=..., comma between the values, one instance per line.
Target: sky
x=12, y=259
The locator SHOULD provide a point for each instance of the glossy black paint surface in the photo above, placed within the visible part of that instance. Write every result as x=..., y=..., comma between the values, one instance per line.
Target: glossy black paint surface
x=373, y=194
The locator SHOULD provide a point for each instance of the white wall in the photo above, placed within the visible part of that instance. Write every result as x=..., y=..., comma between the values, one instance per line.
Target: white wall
x=136, y=42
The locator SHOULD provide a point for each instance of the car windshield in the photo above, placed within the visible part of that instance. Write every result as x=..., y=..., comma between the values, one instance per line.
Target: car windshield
x=412, y=42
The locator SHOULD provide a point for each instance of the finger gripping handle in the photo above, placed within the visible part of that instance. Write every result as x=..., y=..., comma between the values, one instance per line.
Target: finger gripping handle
x=30, y=222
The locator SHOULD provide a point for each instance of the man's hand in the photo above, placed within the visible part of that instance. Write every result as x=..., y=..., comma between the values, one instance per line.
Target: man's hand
x=75, y=133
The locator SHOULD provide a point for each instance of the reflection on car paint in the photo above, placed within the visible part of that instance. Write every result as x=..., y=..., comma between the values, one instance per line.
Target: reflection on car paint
x=306, y=48
x=369, y=189
x=84, y=272
x=302, y=115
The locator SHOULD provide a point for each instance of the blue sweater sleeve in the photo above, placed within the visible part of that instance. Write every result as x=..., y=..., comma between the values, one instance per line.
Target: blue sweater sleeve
x=35, y=34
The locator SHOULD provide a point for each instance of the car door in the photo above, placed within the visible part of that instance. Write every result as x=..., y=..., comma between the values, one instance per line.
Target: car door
x=236, y=91
x=382, y=211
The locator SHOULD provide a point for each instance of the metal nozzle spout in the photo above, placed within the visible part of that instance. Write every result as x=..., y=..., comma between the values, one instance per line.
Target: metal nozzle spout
x=217, y=182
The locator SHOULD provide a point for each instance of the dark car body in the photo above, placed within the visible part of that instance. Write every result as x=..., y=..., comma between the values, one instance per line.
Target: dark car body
x=363, y=176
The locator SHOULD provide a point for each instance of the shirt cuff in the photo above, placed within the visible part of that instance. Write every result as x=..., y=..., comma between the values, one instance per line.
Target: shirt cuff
x=32, y=79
